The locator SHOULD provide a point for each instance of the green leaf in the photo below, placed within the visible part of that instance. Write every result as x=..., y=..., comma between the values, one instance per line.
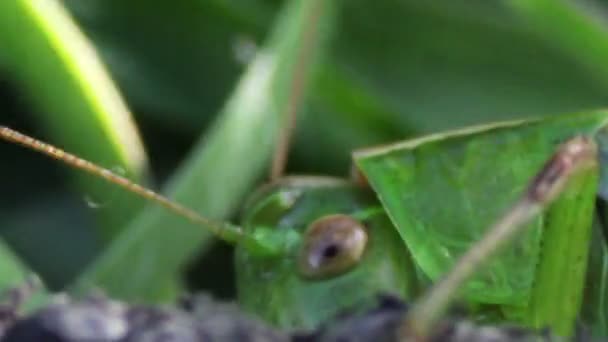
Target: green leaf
x=576, y=28
x=12, y=270
x=222, y=168
x=14, y=275
x=173, y=57
x=425, y=67
x=77, y=102
x=447, y=64
x=443, y=191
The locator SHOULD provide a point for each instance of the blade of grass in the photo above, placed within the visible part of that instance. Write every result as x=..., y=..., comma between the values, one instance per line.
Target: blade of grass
x=15, y=275
x=77, y=103
x=223, y=166
x=570, y=26
x=12, y=270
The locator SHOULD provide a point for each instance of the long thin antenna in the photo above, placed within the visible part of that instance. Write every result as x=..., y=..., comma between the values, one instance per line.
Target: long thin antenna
x=574, y=155
x=295, y=95
x=222, y=230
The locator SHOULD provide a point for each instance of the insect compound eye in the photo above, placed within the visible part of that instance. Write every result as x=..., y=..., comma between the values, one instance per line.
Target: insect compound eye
x=332, y=245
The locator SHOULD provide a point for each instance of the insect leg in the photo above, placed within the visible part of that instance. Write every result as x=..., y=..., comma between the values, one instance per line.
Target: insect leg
x=575, y=155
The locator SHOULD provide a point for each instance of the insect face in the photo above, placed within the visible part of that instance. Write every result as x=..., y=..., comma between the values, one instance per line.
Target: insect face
x=346, y=253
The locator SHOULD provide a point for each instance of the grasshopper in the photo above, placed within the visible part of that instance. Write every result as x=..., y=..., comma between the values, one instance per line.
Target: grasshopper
x=310, y=246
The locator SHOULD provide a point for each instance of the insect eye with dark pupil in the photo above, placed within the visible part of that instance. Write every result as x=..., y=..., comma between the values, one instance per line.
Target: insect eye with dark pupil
x=332, y=245
x=330, y=251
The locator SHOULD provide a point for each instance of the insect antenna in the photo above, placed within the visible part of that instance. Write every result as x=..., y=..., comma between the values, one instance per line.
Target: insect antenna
x=223, y=230
x=576, y=154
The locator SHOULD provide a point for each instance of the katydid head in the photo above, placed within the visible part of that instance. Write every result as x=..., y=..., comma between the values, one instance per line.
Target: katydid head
x=344, y=251
x=310, y=247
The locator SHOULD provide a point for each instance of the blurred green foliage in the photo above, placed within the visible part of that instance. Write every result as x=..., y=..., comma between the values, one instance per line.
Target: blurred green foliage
x=388, y=70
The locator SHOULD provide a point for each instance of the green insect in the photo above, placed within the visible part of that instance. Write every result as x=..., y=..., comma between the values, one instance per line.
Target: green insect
x=310, y=247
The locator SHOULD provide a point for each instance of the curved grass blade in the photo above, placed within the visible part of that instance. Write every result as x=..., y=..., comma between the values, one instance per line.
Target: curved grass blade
x=221, y=170
x=78, y=104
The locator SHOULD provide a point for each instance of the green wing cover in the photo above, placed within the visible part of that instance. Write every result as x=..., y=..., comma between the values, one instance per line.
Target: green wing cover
x=442, y=191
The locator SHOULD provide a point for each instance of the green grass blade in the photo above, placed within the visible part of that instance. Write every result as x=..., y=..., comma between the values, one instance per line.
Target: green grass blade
x=14, y=274
x=574, y=27
x=222, y=168
x=77, y=103
x=12, y=270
